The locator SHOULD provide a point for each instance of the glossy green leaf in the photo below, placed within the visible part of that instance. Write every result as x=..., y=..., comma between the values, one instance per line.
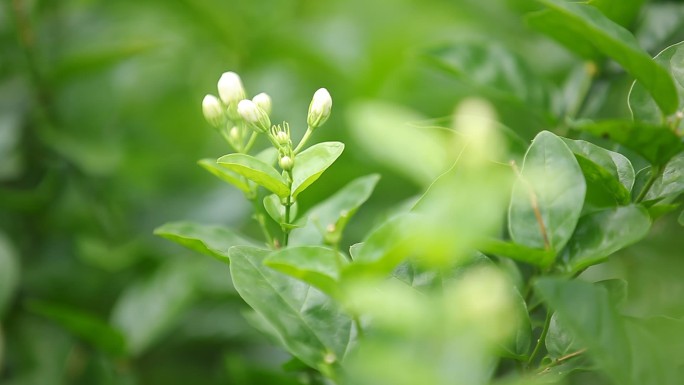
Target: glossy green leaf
x=671, y=182
x=585, y=30
x=494, y=68
x=384, y=248
x=257, y=171
x=276, y=210
x=643, y=105
x=657, y=144
x=210, y=240
x=315, y=265
x=589, y=316
x=312, y=162
x=551, y=178
x=226, y=174
x=9, y=273
x=334, y=212
x=600, y=234
x=537, y=257
x=82, y=324
x=311, y=326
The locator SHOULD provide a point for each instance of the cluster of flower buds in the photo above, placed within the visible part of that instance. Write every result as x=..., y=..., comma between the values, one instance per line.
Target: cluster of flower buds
x=232, y=113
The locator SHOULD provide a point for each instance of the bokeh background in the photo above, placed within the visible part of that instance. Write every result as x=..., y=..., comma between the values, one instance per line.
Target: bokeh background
x=101, y=128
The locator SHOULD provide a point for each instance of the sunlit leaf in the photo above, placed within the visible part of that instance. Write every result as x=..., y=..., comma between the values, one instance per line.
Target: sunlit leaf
x=225, y=174
x=210, y=240
x=312, y=162
x=257, y=171
x=600, y=234
x=315, y=265
x=311, y=326
x=333, y=212
x=551, y=187
x=585, y=30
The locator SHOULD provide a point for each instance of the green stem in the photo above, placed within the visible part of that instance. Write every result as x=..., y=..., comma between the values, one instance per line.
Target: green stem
x=286, y=231
x=305, y=138
x=542, y=338
x=250, y=142
x=655, y=173
x=359, y=328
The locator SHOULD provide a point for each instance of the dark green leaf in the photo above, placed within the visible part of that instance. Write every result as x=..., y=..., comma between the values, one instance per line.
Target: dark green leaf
x=257, y=171
x=82, y=324
x=600, y=234
x=643, y=105
x=538, y=257
x=311, y=326
x=315, y=265
x=681, y=218
x=552, y=185
x=657, y=144
x=210, y=240
x=585, y=30
x=9, y=273
x=310, y=164
x=670, y=183
x=226, y=174
x=333, y=212
x=585, y=310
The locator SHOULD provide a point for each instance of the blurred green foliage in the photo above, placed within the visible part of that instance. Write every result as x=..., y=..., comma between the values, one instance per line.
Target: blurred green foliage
x=101, y=127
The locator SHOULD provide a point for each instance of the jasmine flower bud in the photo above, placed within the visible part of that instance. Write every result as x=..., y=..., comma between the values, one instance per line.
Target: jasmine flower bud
x=230, y=88
x=319, y=109
x=286, y=163
x=212, y=110
x=263, y=101
x=254, y=115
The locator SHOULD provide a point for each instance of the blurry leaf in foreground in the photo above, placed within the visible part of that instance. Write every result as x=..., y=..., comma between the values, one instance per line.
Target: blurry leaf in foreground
x=9, y=273
x=389, y=134
x=82, y=324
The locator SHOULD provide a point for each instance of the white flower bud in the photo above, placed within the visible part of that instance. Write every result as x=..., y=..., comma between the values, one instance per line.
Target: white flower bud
x=319, y=109
x=286, y=163
x=230, y=88
x=234, y=134
x=212, y=110
x=254, y=115
x=263, y=101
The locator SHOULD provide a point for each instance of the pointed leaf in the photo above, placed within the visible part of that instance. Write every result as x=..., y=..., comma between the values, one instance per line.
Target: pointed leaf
x=257, y=171
x=643, y=105
x=225, y=174
x=210, y=240
x=334, y=211
x=310, y=164
x=585, y=30
x=311, y=326
x=551, y=178
x=657, y=144
x=600, y=234
x=315, y=265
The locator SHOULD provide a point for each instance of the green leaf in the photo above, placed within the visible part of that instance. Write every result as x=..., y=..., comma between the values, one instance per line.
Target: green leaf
x=257, y=171
x=310, y=164
x=617, y=290
x=226, y=174
x=151, y=306
x=537, y=257
x=589, y=316
x=600, y=234
x=82, y=324
x=670, y=183
x=315, y=265
x=210, y=240
x=311, y=326
x=643, y=105
x=585, y=30
x=519, y=346
x=333, y=212
x=494, y=68
x=551, y=178
x=9, y=273
x=657, y=144
x=559, y=341
x=384, y=248
x=622, y=12
x=276, y=209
